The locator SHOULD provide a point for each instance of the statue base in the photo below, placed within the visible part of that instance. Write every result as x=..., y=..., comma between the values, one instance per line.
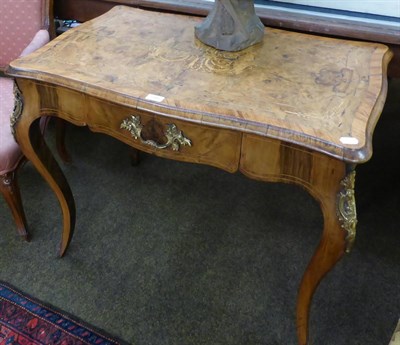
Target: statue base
x=231, y=25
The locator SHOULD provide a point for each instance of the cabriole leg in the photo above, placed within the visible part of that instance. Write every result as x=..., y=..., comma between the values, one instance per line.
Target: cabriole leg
x=28, y=134
x=340, y=220
x=330, y=182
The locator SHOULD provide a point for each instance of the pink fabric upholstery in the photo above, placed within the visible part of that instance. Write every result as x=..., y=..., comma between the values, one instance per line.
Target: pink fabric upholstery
x=13, y=15
x=10, y=153
x=20, y=21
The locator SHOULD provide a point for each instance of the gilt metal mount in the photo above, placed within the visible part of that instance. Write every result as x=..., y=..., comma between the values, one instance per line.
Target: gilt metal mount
x=18, y=108
x=175, y=137
x=346, y=209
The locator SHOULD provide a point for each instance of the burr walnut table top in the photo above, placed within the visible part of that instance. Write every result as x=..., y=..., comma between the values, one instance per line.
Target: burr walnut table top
x=296, y=108
x=320, y=93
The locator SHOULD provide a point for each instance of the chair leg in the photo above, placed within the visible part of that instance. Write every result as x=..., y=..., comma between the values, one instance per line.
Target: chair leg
x=60, y=141
x=9, y=188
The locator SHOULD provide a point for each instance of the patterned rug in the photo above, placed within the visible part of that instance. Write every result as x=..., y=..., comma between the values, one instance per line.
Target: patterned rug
x=24, y=321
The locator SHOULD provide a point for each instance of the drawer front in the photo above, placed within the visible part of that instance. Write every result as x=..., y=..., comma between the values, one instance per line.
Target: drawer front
x=202, y=144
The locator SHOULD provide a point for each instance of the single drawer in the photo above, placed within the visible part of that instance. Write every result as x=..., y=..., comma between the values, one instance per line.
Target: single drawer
x=199, y=143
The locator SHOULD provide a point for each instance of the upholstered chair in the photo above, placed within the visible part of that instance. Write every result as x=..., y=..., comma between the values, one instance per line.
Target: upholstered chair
x=24, y=27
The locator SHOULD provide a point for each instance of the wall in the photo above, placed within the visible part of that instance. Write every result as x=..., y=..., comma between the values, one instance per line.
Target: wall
x=389, y=8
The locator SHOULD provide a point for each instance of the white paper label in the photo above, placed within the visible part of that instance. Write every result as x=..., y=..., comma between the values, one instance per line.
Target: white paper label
x=155, y=98
x=349, y=140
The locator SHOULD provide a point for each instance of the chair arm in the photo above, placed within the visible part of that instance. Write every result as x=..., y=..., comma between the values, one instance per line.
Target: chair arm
x=40, y=39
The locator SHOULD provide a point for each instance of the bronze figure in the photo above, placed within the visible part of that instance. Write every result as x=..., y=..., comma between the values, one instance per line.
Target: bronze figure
x=231, y=25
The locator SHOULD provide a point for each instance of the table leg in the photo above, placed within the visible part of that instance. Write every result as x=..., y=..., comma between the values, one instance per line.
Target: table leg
x=339, y=232
x=327, y=254
x=330, y=182
x=60, y=141
x=135, y=156
x=25, y=121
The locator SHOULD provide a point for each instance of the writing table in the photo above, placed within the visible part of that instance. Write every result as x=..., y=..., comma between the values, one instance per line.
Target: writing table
x=296, y=108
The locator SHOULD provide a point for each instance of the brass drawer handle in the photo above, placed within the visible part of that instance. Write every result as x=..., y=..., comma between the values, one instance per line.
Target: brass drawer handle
x=175, y=137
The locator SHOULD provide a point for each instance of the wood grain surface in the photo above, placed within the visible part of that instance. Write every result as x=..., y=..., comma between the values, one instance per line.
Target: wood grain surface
x=295, y=108
x=308, y=90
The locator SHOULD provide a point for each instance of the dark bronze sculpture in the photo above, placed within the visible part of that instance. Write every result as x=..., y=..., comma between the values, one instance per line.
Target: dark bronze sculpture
x=231, y=25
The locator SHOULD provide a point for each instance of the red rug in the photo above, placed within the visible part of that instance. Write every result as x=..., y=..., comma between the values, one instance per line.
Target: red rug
x=24, y=321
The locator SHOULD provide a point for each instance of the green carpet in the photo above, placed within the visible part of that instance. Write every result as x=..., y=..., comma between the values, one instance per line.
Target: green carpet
x=176, y=253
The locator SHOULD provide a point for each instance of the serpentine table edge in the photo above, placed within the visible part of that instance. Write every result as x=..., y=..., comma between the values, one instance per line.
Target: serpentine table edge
x=191, y=117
